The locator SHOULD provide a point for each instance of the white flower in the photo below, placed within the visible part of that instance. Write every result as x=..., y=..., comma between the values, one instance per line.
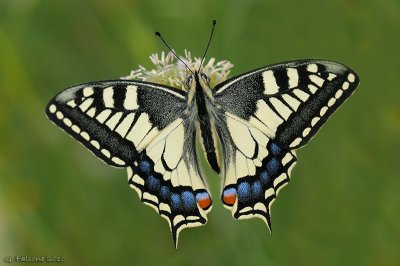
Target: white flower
x=168, y=70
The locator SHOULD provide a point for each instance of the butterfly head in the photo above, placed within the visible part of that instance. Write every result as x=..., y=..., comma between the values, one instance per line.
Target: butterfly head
x=197, y=78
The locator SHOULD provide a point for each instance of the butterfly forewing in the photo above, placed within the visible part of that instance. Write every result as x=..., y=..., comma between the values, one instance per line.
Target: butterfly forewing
x=115, y=119
x=270, y=112
x=288, y=101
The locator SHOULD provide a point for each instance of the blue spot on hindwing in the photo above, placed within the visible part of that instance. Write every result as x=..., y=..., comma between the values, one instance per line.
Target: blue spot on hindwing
x=244, y=192
x=189, y=202
x=273, y=166
x=256, y=189
x=175, y=201
x=153, y=183
x=276, y=150
x=229, y=191
x=201, y=195
x=264, y=177
x=145, y=166
x=164, y=193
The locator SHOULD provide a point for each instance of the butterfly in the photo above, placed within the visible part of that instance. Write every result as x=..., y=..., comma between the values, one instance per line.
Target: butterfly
x=249, y=126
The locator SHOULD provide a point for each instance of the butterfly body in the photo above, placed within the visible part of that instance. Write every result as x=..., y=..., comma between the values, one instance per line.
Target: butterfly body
x=258, y=118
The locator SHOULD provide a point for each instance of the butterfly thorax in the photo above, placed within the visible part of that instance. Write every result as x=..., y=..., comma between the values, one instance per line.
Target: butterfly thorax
x=200, y=97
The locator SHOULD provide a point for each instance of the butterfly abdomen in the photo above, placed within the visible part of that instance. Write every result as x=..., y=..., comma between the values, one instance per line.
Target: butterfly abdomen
x=207, y=134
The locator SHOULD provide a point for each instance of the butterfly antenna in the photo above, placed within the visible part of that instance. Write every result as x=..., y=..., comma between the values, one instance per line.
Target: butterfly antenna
x=208, y=44
x=158, y=34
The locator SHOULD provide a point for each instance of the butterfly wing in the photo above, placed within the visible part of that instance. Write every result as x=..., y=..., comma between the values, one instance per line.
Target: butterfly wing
x=266, y=115
x=142, y=127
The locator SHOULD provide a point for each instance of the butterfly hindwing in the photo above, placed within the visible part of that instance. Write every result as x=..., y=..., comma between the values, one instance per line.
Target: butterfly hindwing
x=167, y=177
x=143, y=127
x=269, y=113
x=256, y=168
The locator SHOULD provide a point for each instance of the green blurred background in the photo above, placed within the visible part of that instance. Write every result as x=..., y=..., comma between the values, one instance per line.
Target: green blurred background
x=342, y=206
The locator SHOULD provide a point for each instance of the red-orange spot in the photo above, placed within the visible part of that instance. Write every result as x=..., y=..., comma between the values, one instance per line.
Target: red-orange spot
x=204, y=202
x=230, y=198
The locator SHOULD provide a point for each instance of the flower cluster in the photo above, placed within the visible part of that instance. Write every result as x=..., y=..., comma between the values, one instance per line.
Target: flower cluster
x=168, y=70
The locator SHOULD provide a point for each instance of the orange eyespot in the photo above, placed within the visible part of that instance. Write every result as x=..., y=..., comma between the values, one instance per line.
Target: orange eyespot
x=229, y=196
x=204, y=203
x=203, y=199
x=229, y=199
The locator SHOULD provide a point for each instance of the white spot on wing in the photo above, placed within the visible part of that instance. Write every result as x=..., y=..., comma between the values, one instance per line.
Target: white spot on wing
x=108, y=97
x=269, y=192
x=270, y=85
x=85, y=135
x=87, y=91
x=59, y=115
x=312, y=68
x=331, y=102
x=67, y=122
x=91, y=112
x=177, y=219
x=105, y=152
x=338, y=94
x=295, y=142
x=245, y=209
x=118, y=161
x=314, y=121
x=345, y=85
x=306, y=131
x=137, y=179
x=261, y=207
x=71, y=103
x=323, y=110
x=76, y=129
x=312, y=88
x=95, y=144
x=351, y=77
x=165, y=207
x=293, y=77
x=52, y=108
x=130, y=102
x=331, y=76
x=279, y=179
x=287, y=158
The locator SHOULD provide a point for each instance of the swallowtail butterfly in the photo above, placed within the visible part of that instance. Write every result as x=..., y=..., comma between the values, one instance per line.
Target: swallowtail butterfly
x=259, y=118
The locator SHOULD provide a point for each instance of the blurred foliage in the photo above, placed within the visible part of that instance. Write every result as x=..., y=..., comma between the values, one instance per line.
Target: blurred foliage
x=342, y=206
